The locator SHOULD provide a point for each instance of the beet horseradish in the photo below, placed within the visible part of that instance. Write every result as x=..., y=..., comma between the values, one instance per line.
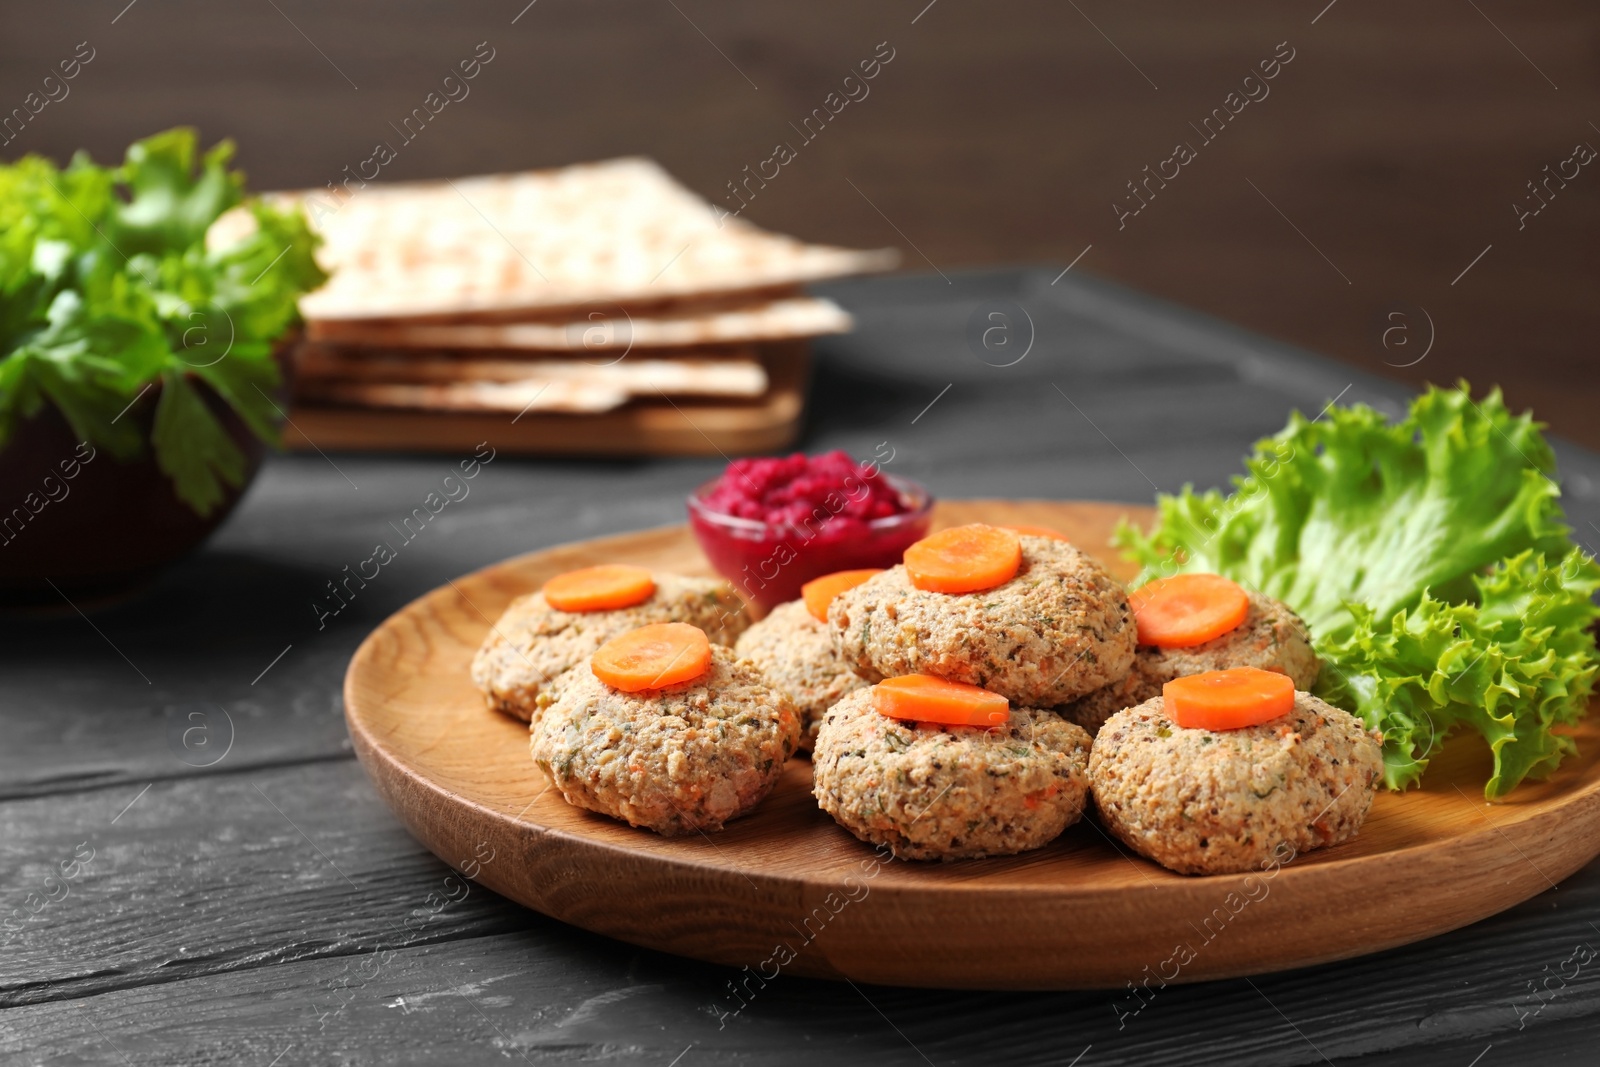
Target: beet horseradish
x=771, y=524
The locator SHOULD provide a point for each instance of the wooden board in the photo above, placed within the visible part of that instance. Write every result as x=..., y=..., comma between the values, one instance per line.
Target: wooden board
x=659, y=427
x=1080, y=913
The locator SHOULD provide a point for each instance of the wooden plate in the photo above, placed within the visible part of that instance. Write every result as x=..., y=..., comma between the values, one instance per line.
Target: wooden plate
x=785, y=889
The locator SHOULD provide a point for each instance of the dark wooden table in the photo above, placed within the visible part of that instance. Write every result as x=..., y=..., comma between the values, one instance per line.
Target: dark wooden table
x=238, y=894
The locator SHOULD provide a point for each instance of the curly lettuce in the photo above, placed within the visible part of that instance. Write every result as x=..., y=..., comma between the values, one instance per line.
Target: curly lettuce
x=108, y=288
x=1432, y=564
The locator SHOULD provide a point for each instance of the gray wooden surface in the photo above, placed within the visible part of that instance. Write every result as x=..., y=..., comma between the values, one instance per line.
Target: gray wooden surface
x=248, y=897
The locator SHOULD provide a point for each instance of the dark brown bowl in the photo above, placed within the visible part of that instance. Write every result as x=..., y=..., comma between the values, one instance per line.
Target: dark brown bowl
x=110, y=528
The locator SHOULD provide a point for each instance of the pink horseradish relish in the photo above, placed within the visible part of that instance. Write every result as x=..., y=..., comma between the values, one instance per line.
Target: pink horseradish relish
x=771, y=524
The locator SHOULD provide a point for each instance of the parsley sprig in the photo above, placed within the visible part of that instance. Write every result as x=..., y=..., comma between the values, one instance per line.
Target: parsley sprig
x=108, y=287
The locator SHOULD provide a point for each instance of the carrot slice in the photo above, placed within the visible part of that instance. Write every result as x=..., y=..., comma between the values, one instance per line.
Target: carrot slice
x=819, y=592
x=925, y=698
x=654, y=656
x=964, y=559
x=1228, y=700
x=1032, y=800
x=1039, y=531
x=1188, y=609
x=603, y=588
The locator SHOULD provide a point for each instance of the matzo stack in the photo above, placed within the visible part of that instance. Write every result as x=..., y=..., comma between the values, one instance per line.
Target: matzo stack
x=529, y=244
x=766, y=320
x=528, y=385
x=694, y=372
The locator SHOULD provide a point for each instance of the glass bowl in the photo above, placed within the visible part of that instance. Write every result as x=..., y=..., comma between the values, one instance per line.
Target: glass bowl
x=768, y=563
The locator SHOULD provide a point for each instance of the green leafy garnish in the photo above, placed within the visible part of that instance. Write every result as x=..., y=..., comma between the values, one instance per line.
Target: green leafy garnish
x=108, y=289
x=1431, y=562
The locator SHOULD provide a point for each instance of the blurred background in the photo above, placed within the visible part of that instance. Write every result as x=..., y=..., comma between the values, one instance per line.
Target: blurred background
x=1380, y=198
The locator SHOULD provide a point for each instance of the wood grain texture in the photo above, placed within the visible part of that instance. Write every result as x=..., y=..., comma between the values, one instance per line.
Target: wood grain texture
x=215, y=874
x=1426, y=862
x=478, y=1001
x=190, y=981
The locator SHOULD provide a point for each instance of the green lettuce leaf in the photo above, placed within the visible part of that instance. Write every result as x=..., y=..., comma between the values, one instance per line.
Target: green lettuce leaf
x=1416, y=551
x=1511, y=667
